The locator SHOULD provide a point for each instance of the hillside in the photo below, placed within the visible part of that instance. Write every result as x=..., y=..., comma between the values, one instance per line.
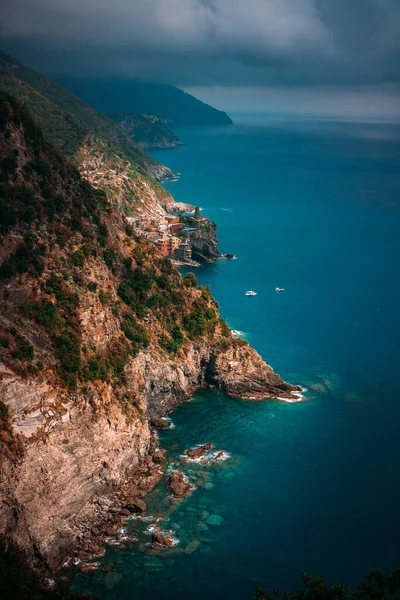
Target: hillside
x=122, y=170
x=148, y=131
x=166, y=102
x=65, y=119
x=100, y=337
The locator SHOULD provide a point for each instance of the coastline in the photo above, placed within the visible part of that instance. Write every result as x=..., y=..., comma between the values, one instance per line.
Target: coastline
x=87, y=430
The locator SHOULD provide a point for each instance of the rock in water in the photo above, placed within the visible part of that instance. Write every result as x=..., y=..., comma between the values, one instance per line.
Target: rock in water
x=192, y=547
x=220, y=454
x=160, y=423
x=198, y=451
x=177, y=484
x=160, y=538
x=215, y=520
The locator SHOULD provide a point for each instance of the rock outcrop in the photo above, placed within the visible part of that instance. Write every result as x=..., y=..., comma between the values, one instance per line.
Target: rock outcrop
x=178, y=485
x=161, y=539
x=241, y=373
x=204, y=242
x=198, y=451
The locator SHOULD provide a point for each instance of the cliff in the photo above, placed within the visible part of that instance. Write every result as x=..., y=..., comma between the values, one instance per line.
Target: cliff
x=147, y=130
x=204, y=241
x=167, y=102
x=100, y=336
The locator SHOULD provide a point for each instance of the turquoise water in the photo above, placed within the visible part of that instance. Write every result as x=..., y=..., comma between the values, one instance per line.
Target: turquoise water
x=313, y=207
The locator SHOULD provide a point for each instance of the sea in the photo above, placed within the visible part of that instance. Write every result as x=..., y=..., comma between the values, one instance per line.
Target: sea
x=311, y=205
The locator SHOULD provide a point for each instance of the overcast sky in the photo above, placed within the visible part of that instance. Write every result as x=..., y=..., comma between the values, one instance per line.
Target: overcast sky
x=289, y=49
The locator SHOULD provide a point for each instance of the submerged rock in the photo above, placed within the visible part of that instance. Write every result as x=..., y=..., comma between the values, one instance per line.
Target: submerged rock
x=199, y=451
x=204, y=515
x=215, y=520
x=207, y=485
x=178, y=485
x=192, y=547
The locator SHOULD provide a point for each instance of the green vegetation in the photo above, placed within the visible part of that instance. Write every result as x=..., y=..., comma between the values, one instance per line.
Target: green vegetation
x=190, y=280
x=61, y=320
x=95, y=369
x=135, y=332
x=27, y=258
x=23, y=351
x=173, y=343
x=225, y=331
x=197, y=321
x=376, y=586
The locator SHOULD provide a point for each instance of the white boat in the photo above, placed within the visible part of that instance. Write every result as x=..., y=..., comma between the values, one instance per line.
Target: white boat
x=279, y=289
x=251, y=293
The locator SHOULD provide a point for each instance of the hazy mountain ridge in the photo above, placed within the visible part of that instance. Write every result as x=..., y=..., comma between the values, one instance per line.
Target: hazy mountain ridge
x=167, y=102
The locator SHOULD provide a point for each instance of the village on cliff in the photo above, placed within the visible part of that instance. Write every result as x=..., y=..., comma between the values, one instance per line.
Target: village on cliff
x=171, y=234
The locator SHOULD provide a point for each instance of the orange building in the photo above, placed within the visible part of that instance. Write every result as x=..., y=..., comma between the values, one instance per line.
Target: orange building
x=167, y=244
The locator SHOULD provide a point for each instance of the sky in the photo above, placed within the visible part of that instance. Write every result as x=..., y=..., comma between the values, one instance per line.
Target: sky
x=237, y=54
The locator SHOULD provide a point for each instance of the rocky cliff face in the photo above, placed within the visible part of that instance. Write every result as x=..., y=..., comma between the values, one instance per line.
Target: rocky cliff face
x=79, y=449
x=100, y=337
x=204, y=242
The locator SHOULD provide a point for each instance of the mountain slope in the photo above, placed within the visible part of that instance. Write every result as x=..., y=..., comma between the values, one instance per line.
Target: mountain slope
x=148, y=131
x=65, y=119
x=100, y=336
x=166, y=102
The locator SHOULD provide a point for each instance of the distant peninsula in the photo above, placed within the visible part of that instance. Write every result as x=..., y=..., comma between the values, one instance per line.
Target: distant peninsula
x=167, y=102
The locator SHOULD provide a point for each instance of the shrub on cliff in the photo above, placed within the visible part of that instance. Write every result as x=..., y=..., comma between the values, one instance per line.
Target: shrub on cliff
x=195, y=323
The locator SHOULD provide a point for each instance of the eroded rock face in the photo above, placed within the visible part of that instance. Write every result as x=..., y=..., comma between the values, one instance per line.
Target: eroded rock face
x=178, y=485
x=241, y=373
x=72, y=459
x=204, y=242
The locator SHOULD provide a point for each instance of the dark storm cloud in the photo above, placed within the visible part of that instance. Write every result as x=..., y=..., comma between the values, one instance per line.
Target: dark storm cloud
x=229, y=42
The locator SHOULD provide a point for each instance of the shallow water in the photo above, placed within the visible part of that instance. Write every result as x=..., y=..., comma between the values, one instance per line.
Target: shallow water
x=312, y=207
